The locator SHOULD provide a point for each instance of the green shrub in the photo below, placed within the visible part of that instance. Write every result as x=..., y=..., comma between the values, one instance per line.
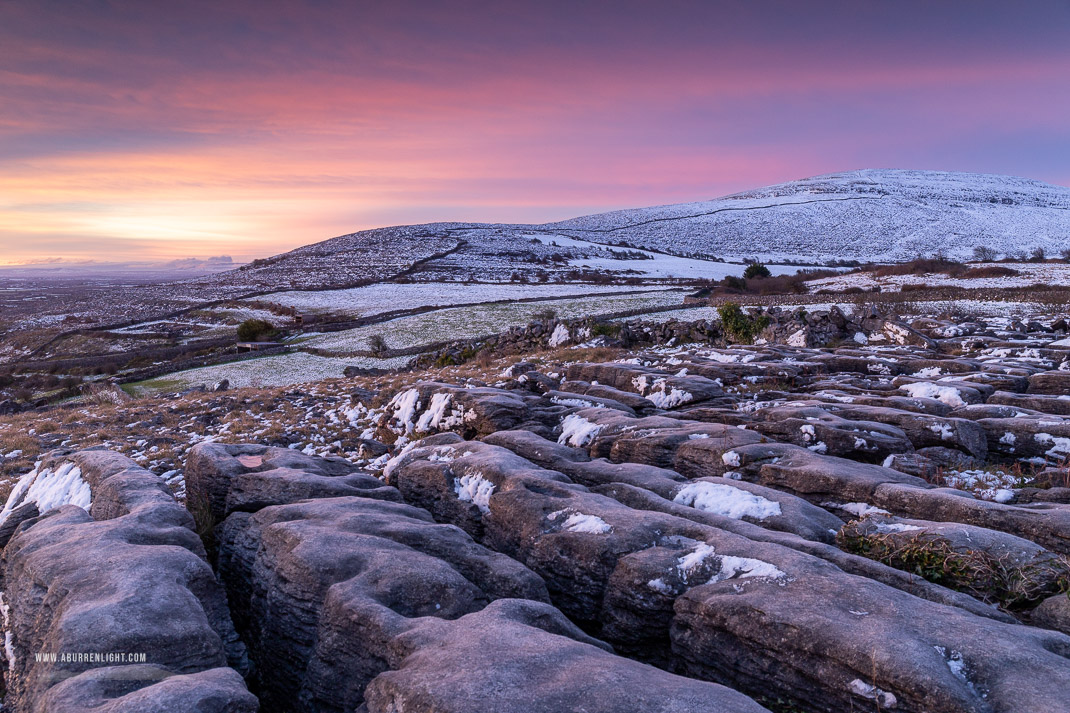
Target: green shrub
x=756, y=269
x=255, y=330
x=605, y=329
x=737, y=325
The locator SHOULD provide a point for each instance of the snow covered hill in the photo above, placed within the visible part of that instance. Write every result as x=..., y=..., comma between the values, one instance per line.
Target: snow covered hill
x=859, y=215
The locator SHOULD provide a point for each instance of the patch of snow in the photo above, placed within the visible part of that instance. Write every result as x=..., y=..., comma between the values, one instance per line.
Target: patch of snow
x=745, y=567
x=578, y=522
x=943, y=430
x=924, y=389
x=560, y=336
x=726, y=500
x=859, y=509
x=405, y=405
x=577, y=431
x=475, y=489
x=49, y=489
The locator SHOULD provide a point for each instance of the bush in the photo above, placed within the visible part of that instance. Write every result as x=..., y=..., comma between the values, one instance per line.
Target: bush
x=983, y=253
x=255, y=330
x=738, y=325
x=756, y=269
x=1037, y=255
x=921, y=266
x=605, y=329
x=377, y=345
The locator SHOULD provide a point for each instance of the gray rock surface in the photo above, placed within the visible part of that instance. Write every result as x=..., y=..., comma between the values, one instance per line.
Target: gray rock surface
x=130, y=578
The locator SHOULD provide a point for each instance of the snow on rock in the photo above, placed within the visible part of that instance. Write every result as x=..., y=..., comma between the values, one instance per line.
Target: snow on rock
x=996, y=486
x=49, y=489
x=1060, y=447
x=745, y=567
x=577, y=431
x=405, y=405
x=726, y=500
x=731, y=459
x=578, y=403
x=560, y=336
x=661, y=393
x=694, y=559
x=924, y=389
x=474, y=488
x=943, y=430
x=858, y=509
x=578, y=522
x=435, y=412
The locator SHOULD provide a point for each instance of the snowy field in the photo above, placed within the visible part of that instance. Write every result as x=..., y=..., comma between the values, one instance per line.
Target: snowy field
x=280, y=370
x=387, y=297
x=659, y=264
x=212, y=319
x=1054, y=274
x=469, y=322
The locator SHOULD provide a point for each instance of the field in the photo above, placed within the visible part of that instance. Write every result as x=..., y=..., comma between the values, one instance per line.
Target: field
x=388, y=297
x=470, y=322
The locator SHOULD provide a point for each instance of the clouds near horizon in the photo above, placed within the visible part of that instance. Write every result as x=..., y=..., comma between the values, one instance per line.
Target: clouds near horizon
x=248, y=128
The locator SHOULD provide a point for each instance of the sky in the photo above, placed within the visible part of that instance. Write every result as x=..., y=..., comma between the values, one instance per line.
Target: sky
x=134, y=130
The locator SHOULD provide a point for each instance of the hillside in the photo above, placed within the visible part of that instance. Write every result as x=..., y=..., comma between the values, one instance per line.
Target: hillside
x=868, y=215
x=878, y=215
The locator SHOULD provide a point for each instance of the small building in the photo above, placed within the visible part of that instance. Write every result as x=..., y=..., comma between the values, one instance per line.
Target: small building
x=258, y=346
x=304, y=318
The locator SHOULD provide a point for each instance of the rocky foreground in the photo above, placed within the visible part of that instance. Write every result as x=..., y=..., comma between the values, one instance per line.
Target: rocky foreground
x=879, y=524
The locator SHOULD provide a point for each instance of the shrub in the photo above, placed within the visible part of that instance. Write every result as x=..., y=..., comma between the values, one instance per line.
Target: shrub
x=756, y=269
x=921, y=266
x=983, y=253
x=377, y=345
x=255, y=330
x=1037, y=255
x=739, y=326
x=734, y=283
x=605, y=329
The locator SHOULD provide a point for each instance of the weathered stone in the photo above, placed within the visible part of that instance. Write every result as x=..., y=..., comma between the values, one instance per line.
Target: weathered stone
x=991, y=565
x=1053, y=613
x=738, y=609
x=132, y=581
x=300, y=575
x=513, y=651
x=1056, y=383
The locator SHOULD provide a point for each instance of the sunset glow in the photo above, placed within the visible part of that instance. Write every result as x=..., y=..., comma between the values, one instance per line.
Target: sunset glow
x=264, y=126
